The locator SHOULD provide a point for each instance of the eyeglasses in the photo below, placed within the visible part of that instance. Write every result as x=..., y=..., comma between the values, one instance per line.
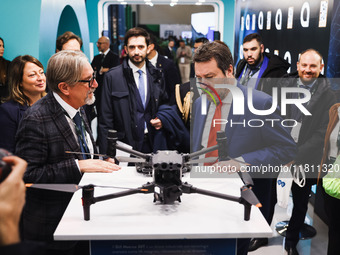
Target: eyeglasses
x=90, y=81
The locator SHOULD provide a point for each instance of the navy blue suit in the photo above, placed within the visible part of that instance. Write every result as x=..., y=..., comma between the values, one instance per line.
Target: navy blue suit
x=266, y=145
x=122, y=107
x=11, y=114
x=171, y=76
x=257, y=145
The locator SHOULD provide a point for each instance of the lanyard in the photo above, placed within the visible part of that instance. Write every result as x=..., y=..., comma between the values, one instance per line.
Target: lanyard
x=244, y=79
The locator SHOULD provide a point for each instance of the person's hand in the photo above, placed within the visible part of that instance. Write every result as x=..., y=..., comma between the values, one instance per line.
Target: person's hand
x=156, y=123
x=111, y=160
x=12, y=200
x=228, y=166
x=103, y=70
x=97, y=165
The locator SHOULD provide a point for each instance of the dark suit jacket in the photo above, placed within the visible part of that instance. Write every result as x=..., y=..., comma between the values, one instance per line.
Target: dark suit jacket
x=171, y=76
x=111, y=60
x=258, y=146
x=11, y=114
x=43, y=136
x=313, y=128
x=170, y=54
x=264, y=145
x=121, y=101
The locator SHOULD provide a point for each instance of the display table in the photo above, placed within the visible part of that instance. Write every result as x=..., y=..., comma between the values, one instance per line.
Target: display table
x=137, y=217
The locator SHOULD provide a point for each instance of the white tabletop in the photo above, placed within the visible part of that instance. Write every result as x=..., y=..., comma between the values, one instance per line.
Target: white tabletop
x=137, y=217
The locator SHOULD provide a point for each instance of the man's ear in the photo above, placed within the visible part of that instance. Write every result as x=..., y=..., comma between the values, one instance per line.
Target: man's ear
x=125, y=48
x=150, y=48
x=321, y=67
x=64, y=88
x=230, y=72
x=262, y=48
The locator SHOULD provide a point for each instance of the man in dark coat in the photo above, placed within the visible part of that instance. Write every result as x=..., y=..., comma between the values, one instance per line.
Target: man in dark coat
x=256, y=70
x=132, y=93
x=257, y=64
x=267, y=145
x=167, y=66
x=309, y=134
x=53, y=125
x=169, y=51
x=102, y=63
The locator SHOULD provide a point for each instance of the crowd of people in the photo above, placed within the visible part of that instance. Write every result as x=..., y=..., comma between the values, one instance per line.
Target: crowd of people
x=146, y=98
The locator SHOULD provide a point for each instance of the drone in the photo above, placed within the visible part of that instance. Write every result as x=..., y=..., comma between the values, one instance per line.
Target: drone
x=167, y=168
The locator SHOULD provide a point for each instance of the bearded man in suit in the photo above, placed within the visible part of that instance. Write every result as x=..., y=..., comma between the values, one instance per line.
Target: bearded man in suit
x=50, y=128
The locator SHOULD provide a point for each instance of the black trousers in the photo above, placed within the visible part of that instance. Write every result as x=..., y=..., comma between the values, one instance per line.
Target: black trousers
x=300, y=201
x=265, y=191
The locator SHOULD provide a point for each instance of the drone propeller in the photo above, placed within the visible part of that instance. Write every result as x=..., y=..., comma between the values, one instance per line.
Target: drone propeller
x=248, y=195
x=64, y=187
x=203, y=160
x=119, y=158
x=86, y=153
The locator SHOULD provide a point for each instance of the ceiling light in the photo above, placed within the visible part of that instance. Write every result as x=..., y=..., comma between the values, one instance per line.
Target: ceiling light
x=198, y=3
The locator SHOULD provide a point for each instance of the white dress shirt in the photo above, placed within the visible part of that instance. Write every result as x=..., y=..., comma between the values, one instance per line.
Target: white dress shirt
x=71, y=113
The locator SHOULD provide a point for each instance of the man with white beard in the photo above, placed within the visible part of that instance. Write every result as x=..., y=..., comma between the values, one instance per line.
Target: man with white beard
x=53, y=126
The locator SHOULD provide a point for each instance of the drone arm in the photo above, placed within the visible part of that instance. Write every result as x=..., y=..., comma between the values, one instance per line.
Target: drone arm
x=120, y=194
x=203, y=151
x=187, y=188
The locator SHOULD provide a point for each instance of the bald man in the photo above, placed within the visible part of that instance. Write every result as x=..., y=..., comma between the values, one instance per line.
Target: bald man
x=102, y=63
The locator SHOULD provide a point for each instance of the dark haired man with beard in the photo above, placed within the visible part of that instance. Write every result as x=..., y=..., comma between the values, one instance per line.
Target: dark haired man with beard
x=132, y=93
x=257, y=64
